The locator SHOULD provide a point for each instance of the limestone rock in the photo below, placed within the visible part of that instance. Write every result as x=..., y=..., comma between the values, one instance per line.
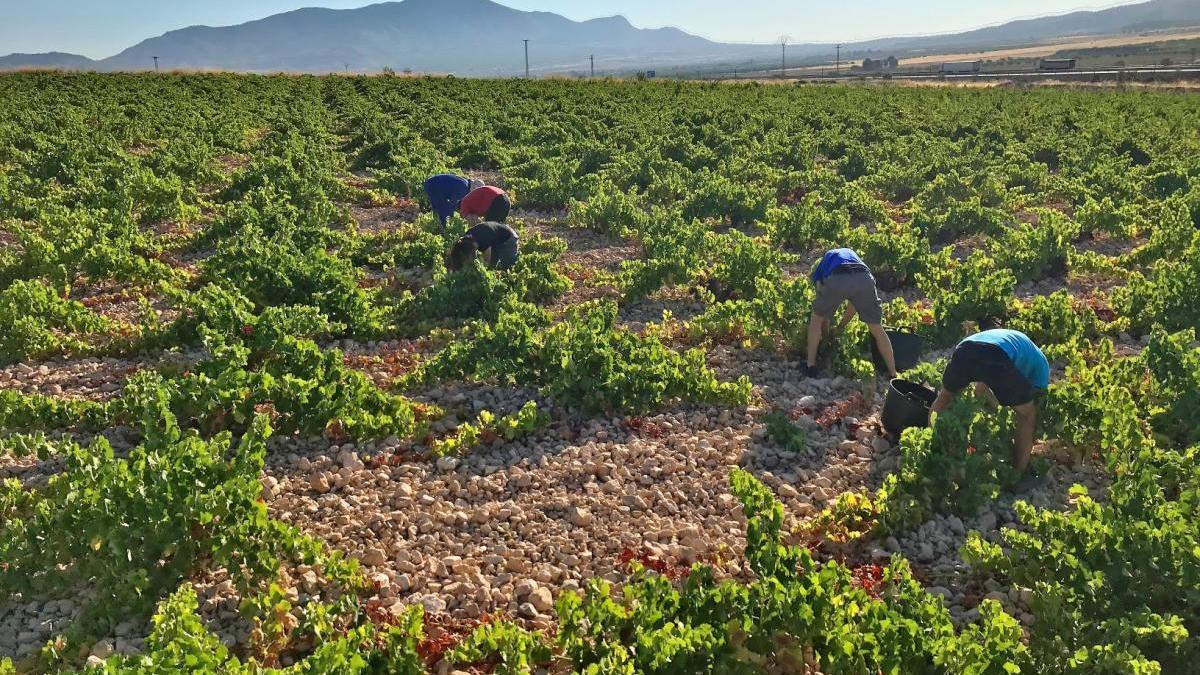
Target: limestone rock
x=542, y=599
x=374, y=557
x=579, y=516
x=318, y=483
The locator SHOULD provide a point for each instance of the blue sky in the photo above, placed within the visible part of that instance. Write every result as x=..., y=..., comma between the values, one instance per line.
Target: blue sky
x=99, y=28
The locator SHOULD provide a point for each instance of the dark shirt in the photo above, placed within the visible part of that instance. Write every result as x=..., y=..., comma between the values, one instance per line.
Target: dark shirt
x=488, y=235
x=837, y=259
x=446, y=191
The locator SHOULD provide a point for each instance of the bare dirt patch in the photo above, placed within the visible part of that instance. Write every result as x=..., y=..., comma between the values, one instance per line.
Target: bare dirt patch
x=376, y=219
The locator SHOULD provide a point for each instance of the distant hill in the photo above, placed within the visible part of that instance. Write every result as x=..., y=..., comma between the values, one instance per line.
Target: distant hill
x=483, y=38
x=1153, y=15
x=47, y=60
x=471, y=37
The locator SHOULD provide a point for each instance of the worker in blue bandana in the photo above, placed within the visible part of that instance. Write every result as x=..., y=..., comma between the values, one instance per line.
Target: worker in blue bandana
x=1008, y=369
x=446, y=192
x=841, y=277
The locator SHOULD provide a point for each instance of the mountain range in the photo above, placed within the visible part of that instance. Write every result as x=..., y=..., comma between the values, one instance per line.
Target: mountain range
x=46, y=60
x=483, y=38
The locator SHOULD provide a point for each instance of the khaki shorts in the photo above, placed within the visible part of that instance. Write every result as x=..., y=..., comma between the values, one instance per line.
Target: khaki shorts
x=858, y=288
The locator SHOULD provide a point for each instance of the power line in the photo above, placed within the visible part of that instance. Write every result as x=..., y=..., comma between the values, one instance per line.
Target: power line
x=593, y=58
x=526, y=58
x=839, y=59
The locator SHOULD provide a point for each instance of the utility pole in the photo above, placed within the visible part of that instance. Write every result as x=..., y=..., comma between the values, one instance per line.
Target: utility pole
x=155, y=63
x=839, y=59
x=593, y=58
x=783, y=56
x=526, y=59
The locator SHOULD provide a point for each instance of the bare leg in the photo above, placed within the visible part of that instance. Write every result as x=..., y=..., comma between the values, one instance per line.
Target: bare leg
x=885, y=347
x=815, y=325
x=1023, y=436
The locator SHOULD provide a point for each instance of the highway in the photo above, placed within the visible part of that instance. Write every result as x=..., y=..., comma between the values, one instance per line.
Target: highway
x=1173, y=71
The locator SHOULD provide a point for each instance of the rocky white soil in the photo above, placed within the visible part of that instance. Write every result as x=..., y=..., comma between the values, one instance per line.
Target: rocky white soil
x=384, y=219
x=93, y=379
x=515, y=523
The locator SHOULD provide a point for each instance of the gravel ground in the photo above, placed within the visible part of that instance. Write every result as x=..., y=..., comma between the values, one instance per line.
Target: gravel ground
x=514, y=523
x=682, y=305
x=93, y=379
x=511, y=525
x=375, y=219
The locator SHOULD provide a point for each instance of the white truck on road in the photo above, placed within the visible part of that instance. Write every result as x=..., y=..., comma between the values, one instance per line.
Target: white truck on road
x=961, y=67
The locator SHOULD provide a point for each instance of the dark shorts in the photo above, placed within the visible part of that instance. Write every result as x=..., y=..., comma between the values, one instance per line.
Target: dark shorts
x=498, y=211
x=987, y=363
x=504, y=255
x=855, y=286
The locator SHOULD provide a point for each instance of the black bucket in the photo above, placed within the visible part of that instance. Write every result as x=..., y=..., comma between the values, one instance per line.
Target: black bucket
x=906, y=405
x=906, y=347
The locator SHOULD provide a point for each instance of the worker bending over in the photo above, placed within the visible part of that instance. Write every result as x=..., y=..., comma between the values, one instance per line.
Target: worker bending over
x=486, y=203
x=497, y=242
x=842, y=276
x=446, y=193
x=1008, y=370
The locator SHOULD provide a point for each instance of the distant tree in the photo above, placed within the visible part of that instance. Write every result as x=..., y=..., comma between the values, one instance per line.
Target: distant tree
x=387, y=70
x=871, y=64
x=408, y=71
x=892, y=63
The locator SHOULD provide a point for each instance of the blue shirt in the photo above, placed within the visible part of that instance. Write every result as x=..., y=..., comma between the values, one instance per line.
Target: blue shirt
x=445, y=192
x=833, y=260
x=1025, y=355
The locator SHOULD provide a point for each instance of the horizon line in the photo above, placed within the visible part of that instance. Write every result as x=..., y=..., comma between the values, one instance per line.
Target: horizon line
x=747, y=43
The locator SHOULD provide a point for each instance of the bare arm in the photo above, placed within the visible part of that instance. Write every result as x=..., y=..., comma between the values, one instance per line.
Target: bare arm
x=989, y=397
x=943, y=401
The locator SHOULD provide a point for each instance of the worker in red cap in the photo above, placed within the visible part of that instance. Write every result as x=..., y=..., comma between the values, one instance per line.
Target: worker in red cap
x=485, y=204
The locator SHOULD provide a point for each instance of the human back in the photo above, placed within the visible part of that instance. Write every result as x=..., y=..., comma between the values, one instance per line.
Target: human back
x=838, y=258
x=1023, y=353
x=445, y=192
